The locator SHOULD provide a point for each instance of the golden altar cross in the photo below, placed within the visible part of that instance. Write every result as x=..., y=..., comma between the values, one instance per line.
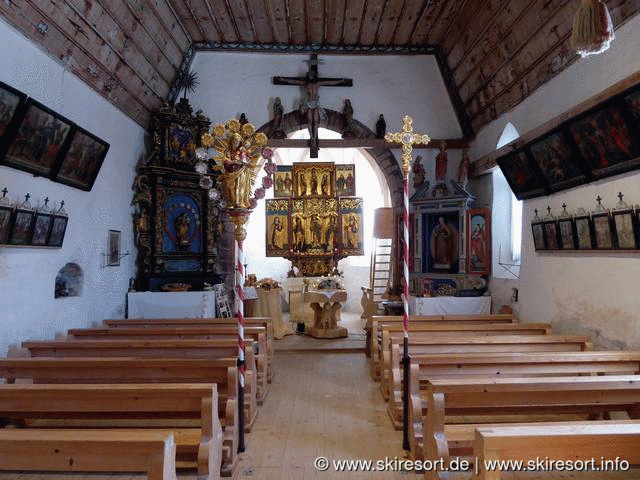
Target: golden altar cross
x=407, y=138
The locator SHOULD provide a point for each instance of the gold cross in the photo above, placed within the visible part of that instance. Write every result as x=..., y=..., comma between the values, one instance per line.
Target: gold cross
x=407, y=138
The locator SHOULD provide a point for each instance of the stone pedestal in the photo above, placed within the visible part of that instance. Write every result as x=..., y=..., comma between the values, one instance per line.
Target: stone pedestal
x=326, y=304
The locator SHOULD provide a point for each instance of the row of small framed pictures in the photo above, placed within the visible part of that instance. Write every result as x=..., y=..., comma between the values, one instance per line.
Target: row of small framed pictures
x=600, y=230
x=22, y=225
x=601, y=142
x=35, y=139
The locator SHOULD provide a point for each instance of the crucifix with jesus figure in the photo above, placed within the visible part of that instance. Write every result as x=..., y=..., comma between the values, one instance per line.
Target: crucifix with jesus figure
x=310, y=83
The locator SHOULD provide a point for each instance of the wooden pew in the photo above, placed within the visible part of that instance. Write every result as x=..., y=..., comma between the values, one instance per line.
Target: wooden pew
x=426, y=368
x=138, y=370
x=575, y=442
x=425, y=344
x=519, y=398
x=267, y=322
x=202, y=334
x=186, y=412
x=223, y=351
x=150, y=452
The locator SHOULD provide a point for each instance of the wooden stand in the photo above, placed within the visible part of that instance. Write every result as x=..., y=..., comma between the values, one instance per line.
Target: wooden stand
x=326, y=304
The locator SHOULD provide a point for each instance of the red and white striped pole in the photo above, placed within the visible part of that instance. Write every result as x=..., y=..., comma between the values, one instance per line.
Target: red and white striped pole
x=407, y=138
x=241, y=359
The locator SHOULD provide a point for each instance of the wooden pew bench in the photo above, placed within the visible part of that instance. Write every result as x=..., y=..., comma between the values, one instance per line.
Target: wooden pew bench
x=425, y=344
x=222, y=351
x=575, y=441
x=138, y=370
x=186, y=412
x=265, y=322
x=149, y=452
x=426, y=368
x=257, y=334
x=514, y=400
x=383, y=340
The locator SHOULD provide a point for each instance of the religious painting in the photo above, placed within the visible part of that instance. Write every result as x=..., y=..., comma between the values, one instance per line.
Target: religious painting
x=181, y=144
x=41, y=229
x=82, y=161
x=626, y=229
x=538, y=236
x=632, y=102
x=351, y=226
x=553, y=155
x=605, y=141
x=551, y=235
x=22, y=227
x=10, y=102
x=283, y=181
x=522, y=175
x=39, y=141
x=345, y=180
x=567, y=233
x=113, y=248
x=315, y=229
x=478, y=241
x=58, y=229
x=69, y=281
x=603, y=231
x=442, y=231
x=277, y=228
x=315, y=179
x=584, y=232
x=6, y=213
x=181, y=217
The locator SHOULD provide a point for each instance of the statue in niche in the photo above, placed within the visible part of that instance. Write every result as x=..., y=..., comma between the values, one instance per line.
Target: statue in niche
x=277, y=130
x=441, y=164
x=298, y=234
x=349, y=124
x=443, y=243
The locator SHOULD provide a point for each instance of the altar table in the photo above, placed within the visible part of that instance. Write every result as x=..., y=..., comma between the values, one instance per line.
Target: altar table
x=423, y=306
x=171, y=304
x=326, y=304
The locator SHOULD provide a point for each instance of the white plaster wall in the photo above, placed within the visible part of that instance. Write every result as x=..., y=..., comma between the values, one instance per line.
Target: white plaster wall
x=28, y=309
x=594, y=293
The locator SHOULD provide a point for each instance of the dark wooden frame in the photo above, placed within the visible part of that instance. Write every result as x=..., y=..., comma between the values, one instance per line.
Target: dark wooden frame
x=53, y=241
x=623, y=237
x=486, y=214
x=526, y=181
x=568, y=239
x=270, y=212
x=539, y=242
x=7, y=131
x=580, y=222
x=18, y=215
x=551, y=234
x=5, y=232
x=48, y=217
x=113, y=248
x=597, y=219
x=94, y=150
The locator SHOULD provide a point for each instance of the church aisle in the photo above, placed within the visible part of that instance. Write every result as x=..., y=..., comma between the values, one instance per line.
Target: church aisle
x=320, y=405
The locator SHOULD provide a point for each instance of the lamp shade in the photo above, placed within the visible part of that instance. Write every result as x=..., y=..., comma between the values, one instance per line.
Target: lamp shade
x=383, y=223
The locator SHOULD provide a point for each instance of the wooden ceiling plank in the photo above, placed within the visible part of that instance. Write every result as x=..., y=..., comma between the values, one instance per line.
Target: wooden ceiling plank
x=228, y=30
x=371, y=22
x=78, y=31
x=444, y=21
x=168, y=18
x=277, y=10
x=297, y=23
x=206, y=17
x=389, y=21
x=407, y=23
x=315, y=21
x=426, y=21
x=515, y=31
x=261, y=21
x=26, y=19
x=242, y=21
x=131, y=42
x=191, y=20
x=352, y=21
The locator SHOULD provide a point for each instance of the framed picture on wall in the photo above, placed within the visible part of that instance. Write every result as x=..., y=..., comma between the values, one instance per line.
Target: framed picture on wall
x=566, y=228
x=603, y=231
x=584, y=232
x=113, y=249
x=539, y=242
x=553, y=154
x=478, y=229
x=551, y=235
x=523, y=176
x=625, y=224
x=41, y=229
x=6, y=215
x=58, y=229
x=22, y=229
x=11, y=101
x=82, y=161
x=39, y=141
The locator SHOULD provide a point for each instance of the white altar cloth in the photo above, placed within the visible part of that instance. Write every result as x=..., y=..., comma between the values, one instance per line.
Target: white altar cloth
x=171, y=304
x=423, y=306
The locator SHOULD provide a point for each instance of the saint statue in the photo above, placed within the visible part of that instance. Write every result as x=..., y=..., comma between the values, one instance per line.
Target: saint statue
x=443, y=245
x=277, y=237
x=441, y=164
x=238, y=177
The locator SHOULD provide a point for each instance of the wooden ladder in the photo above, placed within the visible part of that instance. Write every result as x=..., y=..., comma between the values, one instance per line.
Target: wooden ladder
x=380, y=268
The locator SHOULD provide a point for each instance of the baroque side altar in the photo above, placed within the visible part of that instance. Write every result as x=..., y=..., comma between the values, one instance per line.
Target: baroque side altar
x=314, y=219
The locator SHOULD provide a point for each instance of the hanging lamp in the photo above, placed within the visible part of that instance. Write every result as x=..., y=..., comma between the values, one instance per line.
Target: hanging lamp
x=592, y=28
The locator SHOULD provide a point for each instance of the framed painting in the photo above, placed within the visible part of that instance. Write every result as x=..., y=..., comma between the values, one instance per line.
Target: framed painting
x=478, y=223
x=566, y=229
x=315, y=226
x=551, y=234
x=584, y=232
x=82, y=161
x=58, y=229
x=6, y=214
x=523, y=176
x=11, y=101
x=40, y=140
x=277, y=228
x=283, y=182
x=553, y=154
x=346, y=180
x=538, y=236
x=113, y=248
x=605, y=140
x=313, y=179
x=603, y=231
x=22, y=229
x=625, y=224
x=351, y=226
x=41, y=229
x=441, y=248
